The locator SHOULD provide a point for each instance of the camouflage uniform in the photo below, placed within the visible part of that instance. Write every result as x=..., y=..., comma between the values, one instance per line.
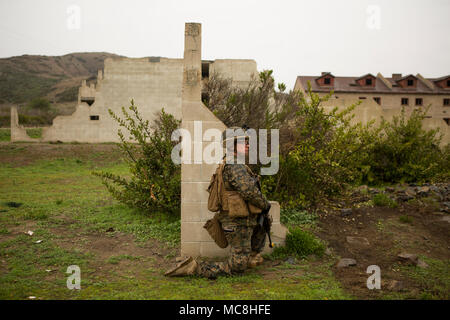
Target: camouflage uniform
x=238, y=231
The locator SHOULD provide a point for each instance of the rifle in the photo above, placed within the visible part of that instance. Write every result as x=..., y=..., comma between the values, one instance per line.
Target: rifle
x=264, y=222
x=263, y=219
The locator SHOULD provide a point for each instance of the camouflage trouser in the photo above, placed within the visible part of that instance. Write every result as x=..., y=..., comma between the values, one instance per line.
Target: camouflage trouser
x=258, y=239
x=238, y=232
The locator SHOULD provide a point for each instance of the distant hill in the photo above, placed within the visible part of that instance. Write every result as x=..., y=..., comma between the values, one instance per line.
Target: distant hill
x=55, y=78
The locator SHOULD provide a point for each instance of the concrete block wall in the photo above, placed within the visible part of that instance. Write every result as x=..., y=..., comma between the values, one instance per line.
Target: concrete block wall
x=152, y=84
x=240, y=70
x=18, y=132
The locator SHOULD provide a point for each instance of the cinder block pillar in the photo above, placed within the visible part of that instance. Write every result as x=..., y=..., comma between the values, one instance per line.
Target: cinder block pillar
x=195, y=177
x=192, y=74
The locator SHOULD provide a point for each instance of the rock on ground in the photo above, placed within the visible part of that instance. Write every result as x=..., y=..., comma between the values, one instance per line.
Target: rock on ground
x=409, y=257
x=361, y=241
x=346, y=262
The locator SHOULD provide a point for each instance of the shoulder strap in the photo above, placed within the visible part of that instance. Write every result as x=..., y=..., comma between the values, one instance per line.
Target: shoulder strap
x=249, y=170
x=220, y=185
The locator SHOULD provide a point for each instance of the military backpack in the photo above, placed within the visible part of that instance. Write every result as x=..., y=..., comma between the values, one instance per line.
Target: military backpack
x=228, y=200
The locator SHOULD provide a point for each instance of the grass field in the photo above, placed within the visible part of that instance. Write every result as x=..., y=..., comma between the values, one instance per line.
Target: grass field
x=122, y=254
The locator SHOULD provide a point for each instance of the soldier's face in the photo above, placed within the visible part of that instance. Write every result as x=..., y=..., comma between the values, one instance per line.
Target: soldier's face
x=242, y=147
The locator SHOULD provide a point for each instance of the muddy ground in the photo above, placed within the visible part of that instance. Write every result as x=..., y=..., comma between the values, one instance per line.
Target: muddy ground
x=428, y=234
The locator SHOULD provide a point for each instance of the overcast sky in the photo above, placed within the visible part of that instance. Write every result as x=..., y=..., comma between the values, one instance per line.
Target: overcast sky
x=346, y=37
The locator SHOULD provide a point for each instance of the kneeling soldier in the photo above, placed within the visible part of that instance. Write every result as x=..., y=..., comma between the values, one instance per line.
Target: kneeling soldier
x=242, y=234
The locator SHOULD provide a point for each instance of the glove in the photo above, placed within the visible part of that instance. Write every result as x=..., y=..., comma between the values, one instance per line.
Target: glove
x=266, y=211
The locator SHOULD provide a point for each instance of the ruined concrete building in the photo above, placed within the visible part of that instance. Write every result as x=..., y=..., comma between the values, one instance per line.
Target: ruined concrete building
x=154, y=83
x=385, y=96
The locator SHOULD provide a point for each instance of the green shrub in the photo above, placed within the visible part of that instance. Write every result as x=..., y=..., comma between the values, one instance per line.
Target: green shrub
x=383, y=200
x=284, y=186
x=301, y=244
x=326, y=157
x=155, y=184
x=405, y=152
x=444, y=173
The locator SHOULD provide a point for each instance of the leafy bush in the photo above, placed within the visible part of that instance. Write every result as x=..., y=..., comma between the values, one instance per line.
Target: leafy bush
x=444, y=174
x=302, y=243
x=405, y=152
x=286, y=186
x=383, y=200
x=155, y=183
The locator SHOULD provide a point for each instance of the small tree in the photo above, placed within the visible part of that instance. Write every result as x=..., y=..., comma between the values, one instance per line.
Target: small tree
x=155, y=183
x=259, y=104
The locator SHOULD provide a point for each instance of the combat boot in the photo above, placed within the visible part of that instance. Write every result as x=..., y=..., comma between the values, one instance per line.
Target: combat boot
x=186, y=267
x=255, y=260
